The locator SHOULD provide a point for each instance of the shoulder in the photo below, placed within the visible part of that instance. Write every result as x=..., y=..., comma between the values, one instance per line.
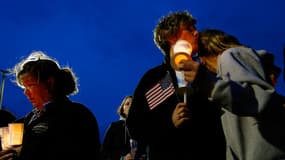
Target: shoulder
x=118, y=123
x=153, y=75
x=239, y=53
x=80, y=108
x=239, y=56
x=154, y=71
x=73, y=110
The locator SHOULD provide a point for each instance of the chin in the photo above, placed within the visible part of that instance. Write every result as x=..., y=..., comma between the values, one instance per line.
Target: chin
x=36, y=106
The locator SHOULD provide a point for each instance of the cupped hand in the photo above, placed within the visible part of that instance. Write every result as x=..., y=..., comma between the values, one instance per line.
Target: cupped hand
x=190, y=69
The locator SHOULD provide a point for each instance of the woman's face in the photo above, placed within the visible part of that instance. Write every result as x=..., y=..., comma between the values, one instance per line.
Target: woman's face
x=210, y=62
x=36, y=92
x=127, y=105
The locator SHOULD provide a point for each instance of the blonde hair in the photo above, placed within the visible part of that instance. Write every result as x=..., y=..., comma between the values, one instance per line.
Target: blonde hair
x=215, y=42
x=120, y=110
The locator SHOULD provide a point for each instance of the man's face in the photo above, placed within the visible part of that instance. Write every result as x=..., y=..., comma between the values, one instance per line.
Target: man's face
x=189, y=34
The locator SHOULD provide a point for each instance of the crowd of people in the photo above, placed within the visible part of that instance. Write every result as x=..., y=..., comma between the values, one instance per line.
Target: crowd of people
x=228, y=109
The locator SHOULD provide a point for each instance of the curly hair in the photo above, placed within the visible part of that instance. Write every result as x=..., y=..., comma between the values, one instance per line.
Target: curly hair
x=168, y=26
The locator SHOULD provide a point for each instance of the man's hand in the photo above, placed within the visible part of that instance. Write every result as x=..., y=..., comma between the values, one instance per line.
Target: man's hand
x=181, y=115
x=10, y=153
x=7, y=154
x=129, y=156
x=190, y=69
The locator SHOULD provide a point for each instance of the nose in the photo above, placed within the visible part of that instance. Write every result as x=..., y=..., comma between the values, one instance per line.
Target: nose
x=26, y=92
x=195, y=33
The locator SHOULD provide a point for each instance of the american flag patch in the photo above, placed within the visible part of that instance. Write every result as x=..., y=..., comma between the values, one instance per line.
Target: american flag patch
x=160, y=92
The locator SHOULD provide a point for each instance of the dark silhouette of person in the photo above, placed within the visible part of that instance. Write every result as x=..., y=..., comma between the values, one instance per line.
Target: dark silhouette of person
x=6, y=117
x=116, y=143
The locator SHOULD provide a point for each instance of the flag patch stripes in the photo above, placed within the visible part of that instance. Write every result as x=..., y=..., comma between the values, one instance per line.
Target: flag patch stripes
x=160, y=92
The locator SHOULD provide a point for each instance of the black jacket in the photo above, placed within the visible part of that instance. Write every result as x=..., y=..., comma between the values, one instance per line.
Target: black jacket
x=65, y=131
x=201, y=139
x=116, y=142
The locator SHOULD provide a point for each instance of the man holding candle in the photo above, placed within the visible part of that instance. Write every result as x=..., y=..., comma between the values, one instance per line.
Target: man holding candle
x=159, y=95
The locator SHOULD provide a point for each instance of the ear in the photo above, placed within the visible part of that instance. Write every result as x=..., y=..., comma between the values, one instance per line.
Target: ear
x=172, y=41
x=51, y=82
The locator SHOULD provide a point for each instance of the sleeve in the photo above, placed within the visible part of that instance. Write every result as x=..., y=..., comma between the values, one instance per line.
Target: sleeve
x=86, y=134
x=137, y=120
x=138, y=117
x=107, y=142
x=242, y=87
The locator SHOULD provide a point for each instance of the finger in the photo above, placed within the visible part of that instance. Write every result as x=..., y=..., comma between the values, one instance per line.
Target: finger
x=181, y=122
x=184, y=108
x=180, y=106
x=186, y=65
x=184, y=120
x=184, y=114
x=7, y=156
x=190, y=76
x=187, y=115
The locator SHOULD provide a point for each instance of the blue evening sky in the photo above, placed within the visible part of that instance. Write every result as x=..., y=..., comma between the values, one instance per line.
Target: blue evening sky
x=109, y=44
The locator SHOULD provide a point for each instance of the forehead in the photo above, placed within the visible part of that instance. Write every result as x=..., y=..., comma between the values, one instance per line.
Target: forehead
x=188, y=28
x=27, y=78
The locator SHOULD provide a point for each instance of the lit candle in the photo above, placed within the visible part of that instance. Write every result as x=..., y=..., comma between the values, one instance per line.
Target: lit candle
x=16, y=131
x=4, y=133
x=182, y=50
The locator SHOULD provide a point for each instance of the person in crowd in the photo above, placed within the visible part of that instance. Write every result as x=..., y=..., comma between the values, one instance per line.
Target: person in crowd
x=6, y=117
x=57, y=128
x=272, y=70
x=116, y=142
x=284, y=62
x=252, y=119
x=158, y=94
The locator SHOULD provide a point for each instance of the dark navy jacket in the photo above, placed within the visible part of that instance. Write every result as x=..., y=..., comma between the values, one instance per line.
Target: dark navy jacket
x=116, y=143
x=65, y=131
x=201, y=139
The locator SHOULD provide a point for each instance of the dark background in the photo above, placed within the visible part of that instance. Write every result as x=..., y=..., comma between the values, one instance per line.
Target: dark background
x=109, y=44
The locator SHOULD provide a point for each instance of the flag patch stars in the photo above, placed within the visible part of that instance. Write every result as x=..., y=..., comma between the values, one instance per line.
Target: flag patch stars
x=160, y=92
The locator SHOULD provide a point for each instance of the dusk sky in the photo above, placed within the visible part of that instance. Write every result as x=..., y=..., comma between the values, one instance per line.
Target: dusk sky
x=109, y=44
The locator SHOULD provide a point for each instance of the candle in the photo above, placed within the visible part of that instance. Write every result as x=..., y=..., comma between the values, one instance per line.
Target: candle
x=15, y=133
x=4, y=133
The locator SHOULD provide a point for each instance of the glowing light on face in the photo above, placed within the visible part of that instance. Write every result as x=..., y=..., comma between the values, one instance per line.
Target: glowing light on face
x=182, y=50
x=179, y=57
x=37, y=92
